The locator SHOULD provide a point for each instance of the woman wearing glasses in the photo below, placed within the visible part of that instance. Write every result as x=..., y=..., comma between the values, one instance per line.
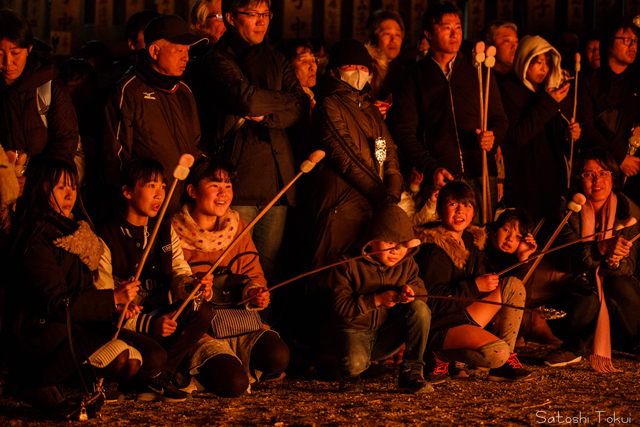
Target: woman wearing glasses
x=603, y=269
x=206, y=18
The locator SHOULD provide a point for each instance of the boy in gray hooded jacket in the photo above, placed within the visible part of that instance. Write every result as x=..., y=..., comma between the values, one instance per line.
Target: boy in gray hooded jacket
x=375, y=311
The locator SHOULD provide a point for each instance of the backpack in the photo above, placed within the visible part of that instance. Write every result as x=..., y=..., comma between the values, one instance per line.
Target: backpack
x=44, y=101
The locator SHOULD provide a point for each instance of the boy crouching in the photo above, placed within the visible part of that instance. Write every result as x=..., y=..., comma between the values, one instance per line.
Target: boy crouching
x=375, y=312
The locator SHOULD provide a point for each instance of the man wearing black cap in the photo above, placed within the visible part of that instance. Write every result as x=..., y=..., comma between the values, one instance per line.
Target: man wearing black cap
x=151, y=112
x=251, y=96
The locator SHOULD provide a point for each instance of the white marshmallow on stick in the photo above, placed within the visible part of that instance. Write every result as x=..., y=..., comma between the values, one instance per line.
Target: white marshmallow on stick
x=180, y=173
x=489, y=62
x=306, y=167
x=573, y=206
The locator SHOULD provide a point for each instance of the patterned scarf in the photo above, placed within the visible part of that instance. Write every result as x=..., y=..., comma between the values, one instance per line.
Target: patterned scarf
x=193, y=237
x=601, y=358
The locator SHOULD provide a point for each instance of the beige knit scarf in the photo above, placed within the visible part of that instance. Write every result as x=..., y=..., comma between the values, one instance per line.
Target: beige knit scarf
x=193, y=237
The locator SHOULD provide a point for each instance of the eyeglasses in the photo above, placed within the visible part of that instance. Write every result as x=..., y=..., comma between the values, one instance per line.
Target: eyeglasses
x=627, y=41
x=256, y=15
x=592, y=174
x=217, y=16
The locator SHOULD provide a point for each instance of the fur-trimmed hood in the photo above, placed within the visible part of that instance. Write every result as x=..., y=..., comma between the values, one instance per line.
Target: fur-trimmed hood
x=459, y=256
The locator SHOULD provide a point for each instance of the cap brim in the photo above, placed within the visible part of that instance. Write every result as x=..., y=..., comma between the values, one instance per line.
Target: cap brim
x=187, y=39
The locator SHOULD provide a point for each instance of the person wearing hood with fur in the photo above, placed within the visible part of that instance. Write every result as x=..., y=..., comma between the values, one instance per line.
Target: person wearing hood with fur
x=451, y=264
x=374, y=310
x=353, y=181
x=536, y=102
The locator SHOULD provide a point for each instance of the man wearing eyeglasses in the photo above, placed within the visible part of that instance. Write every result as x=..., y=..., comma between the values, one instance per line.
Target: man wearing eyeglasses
x=609, y=107
x=251, y=96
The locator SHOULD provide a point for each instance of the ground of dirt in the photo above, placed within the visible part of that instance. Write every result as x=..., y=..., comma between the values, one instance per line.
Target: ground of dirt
x=565, y=396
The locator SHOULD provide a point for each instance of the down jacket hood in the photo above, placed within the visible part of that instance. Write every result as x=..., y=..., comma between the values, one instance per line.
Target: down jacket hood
x=528, y=48
x=459, y=255
x=389, y=224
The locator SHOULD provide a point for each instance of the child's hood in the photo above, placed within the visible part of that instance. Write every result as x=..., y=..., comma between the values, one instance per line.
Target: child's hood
x=459, y=255
x=528, y=48
x=389, y=223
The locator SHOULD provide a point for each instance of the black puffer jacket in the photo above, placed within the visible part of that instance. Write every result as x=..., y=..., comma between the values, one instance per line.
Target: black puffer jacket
x=21, y=125
x=349, y=185
x=240, y=80
x=450, y=270
x=46, y=277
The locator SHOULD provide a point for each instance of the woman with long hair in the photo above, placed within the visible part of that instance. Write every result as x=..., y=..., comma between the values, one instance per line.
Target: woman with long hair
x=50, y=292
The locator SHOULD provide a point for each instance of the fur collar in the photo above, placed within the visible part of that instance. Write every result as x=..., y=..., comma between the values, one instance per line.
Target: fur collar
x=84, y=243
x=440, y=237
x=194, y=238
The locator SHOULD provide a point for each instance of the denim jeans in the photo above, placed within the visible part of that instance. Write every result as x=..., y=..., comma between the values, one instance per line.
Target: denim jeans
x=267, y=234
x=407, y=324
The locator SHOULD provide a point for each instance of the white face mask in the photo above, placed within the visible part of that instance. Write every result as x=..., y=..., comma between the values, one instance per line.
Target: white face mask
x=356, y=78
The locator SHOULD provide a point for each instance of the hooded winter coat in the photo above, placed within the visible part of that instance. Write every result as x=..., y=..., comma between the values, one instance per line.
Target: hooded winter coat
x=356, y=283
x=21, y=124
x=538, y=135
x=349, y=186
x=449, y=270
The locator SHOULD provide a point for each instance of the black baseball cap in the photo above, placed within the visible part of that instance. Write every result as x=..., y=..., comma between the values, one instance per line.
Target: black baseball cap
x=171, y=28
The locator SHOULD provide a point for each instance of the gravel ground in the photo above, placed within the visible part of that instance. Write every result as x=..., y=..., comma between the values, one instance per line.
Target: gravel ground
x=575, y=395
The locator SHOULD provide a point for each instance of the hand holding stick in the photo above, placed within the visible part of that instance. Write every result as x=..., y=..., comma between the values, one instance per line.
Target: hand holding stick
x=410, y=244
x=305, y=167
x=545, y=313
x=180, y=173
x=629, y=222
x=489, y=62
x=574, y=205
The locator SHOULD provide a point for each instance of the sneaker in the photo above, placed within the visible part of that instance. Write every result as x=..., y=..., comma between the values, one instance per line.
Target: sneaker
x=561, y=358
x=273, y=377
x=351, y=384
x=191, y=388
x=437, y=370
x=413, y=382
x=111, y=392
x=160, y=389
x=512, y=370
x=459, y=370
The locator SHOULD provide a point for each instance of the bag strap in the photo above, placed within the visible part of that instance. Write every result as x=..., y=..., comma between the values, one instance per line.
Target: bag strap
x=43, y=99
x=73, y=353
x=233, y=260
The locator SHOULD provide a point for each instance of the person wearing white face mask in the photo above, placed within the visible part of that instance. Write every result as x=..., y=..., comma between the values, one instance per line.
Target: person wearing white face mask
x=356, y=177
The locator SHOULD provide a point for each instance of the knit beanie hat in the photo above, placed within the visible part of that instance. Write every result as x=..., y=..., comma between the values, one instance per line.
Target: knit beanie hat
x=349, y=52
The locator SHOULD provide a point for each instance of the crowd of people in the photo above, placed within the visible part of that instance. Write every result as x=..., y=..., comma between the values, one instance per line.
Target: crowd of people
x=441, y=173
